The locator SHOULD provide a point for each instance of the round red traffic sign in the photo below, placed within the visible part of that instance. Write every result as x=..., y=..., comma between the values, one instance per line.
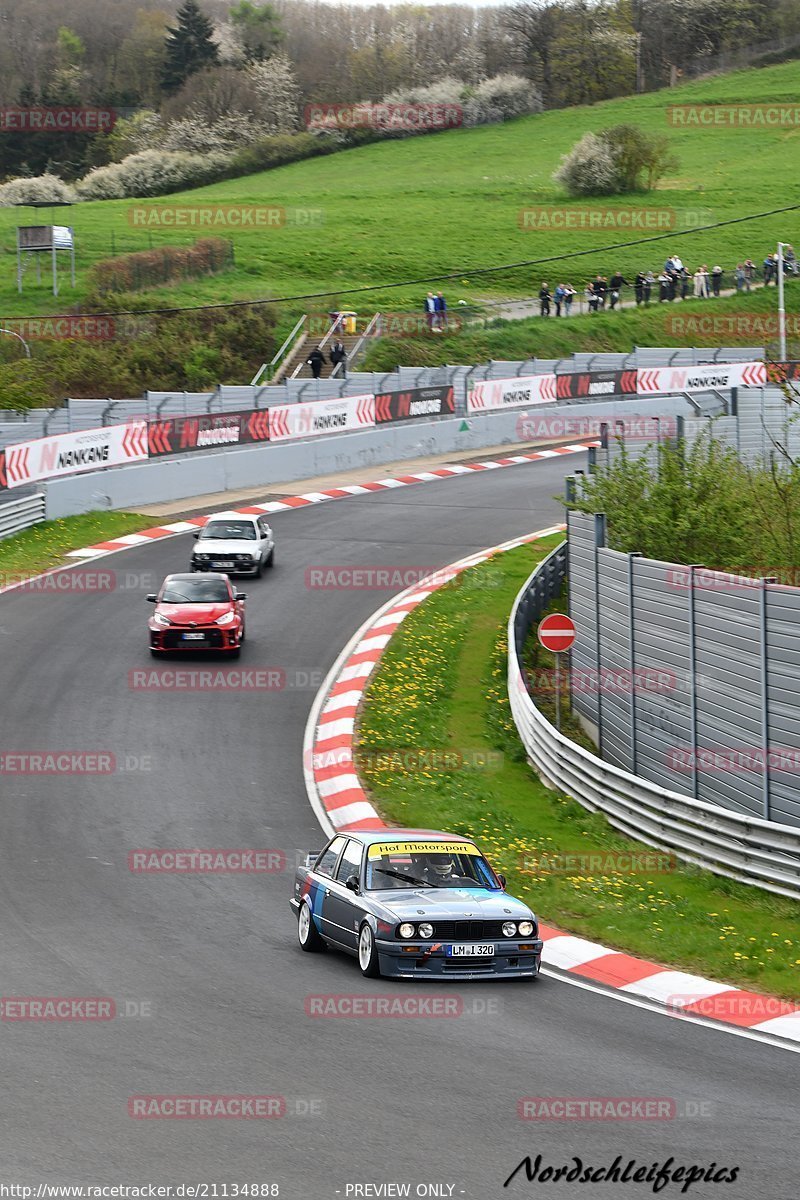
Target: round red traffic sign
x=556, y=633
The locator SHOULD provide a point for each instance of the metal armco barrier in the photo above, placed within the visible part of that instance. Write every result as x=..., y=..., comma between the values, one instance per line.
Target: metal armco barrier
x=16, y=515
x=749, y=849
x=413, y=404
x=215, y=431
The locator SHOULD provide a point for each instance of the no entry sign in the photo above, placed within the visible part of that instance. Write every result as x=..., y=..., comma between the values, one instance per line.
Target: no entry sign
x=556, y=633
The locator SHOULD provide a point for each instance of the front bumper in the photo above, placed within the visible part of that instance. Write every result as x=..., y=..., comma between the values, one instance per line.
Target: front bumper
x=429, y=961
x=238, y=569
x=169, y=641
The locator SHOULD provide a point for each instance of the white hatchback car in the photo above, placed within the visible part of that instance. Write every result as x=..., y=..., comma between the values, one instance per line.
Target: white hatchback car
x=235, y=544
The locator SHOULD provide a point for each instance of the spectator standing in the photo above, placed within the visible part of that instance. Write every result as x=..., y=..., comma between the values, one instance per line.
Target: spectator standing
x=740, y=277
x=430, y=310
x=790, y=262
x=569, y=292
x=749, y=273
x=316, y=360
x=716, y=279
x=638, y=287
x=663, y=286
x=558, y=297
x=684, y=278
x=338, y=355
x=768, y=270
x=700, y=284
x=544, y=300
x=600, y=289
x=591, y=296
x=441, y=310
x=649, y=280
x=616, y=283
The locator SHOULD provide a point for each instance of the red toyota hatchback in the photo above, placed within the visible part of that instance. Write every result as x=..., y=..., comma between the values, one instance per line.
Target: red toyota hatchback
x=197, y=612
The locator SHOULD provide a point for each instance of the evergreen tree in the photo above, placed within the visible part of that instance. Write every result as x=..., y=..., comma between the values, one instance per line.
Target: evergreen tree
x=189, y=47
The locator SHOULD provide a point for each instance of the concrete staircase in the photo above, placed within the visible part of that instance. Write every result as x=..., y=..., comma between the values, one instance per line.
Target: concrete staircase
x=348, y=340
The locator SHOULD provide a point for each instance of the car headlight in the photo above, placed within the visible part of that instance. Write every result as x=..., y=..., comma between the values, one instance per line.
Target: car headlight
x=160, y=619
x=526, y=928
x=226, y=619
x=406, y=930
x=201, y=557
x=244, y=558
x=426, y=930
x=509, y=929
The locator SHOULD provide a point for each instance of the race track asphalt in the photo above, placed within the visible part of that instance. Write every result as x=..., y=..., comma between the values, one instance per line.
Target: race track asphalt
x=208, y=965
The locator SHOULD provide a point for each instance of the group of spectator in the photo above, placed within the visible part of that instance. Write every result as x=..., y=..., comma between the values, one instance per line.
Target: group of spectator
x=338, y=357
x=436, y=312
x=673, y=281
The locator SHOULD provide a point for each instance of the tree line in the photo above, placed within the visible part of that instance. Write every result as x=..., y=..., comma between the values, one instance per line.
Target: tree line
x=163, y=55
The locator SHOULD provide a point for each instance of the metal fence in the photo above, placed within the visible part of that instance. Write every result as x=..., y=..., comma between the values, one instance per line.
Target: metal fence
x=696, y=674
x=19, y=514
x=749, y=849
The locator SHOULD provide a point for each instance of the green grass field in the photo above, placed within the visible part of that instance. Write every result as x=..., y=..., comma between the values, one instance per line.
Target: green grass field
x=45, y=545
x=438, y=749
x=403, y=210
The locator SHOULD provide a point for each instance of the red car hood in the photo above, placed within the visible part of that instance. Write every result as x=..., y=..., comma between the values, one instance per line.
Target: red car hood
x=199, y=614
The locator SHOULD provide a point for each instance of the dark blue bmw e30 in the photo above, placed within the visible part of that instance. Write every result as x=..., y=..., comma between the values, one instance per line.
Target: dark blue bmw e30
x=414, y=905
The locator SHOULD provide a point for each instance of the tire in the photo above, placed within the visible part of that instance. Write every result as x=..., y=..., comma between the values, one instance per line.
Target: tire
x=368, y=953
x=235, y=652
x=259, y=569
x=307, y=933
x=271, y=558
x=154, y=653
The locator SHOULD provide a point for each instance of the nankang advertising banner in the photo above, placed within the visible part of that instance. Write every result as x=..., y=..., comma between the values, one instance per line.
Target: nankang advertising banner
x=518, y=392
x=212, y=431
x=579, y=385
x=287, y=421
x=413, y=404
x=71, y=453
x=666, y=380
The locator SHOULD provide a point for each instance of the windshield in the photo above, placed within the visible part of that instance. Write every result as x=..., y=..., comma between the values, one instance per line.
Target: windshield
x=428, y=864
x=229, y=531
x=196, y=591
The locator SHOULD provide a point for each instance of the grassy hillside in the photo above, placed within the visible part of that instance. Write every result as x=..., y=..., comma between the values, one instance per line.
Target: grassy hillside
x=407, y=209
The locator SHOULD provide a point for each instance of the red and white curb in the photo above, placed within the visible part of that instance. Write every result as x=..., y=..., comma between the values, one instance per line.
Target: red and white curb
x=340, y=803
x=338, y=493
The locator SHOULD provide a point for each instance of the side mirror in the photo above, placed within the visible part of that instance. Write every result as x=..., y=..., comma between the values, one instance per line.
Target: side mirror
x=502, y=881
x=240, y=595
x=152, y=598
x=352, y=884
x=196, y=535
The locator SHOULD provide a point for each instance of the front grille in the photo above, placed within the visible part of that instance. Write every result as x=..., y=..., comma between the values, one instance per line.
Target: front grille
x=466, y=931
x=211, y=637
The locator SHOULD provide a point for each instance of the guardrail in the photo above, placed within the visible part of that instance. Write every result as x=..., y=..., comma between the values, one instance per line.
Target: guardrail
x=21, y=514
x=748, y=849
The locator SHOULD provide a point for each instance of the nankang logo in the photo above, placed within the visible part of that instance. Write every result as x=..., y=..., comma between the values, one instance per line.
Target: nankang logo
x=520, y=396
x=83, y=457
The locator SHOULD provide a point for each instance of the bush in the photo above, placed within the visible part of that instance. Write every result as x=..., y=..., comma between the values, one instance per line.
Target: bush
x=47, y=189
x=589, y=168
x=163, y=264
x=500, y=98
x=152, y=173
x=621, y=159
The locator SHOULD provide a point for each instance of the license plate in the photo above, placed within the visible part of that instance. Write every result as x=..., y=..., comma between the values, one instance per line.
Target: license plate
x=222, y=565
x=194, y=637
x=471, y=950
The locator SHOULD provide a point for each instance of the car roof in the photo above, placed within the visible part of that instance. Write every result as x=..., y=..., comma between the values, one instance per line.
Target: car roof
x=231, y=516
x=369, y=836
x=191, y=576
